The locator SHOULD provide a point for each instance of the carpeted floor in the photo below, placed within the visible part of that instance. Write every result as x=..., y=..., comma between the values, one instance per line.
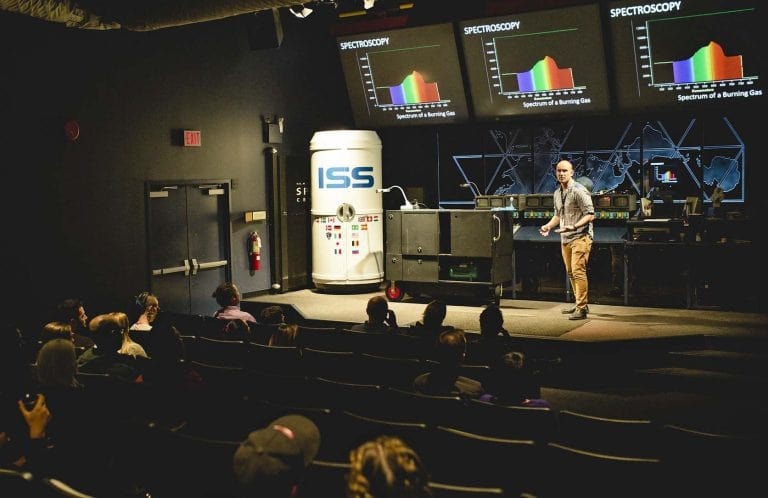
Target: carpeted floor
x=534, y=318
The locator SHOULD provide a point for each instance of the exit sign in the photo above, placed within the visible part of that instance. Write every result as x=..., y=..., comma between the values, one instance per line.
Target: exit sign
x=192, y=138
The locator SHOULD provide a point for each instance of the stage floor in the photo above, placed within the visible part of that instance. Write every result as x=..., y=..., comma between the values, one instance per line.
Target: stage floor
x=534, y=318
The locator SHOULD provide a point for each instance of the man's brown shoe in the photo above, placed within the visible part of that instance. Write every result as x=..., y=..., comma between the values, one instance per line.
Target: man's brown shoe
x=579, y=314
x=568, y=311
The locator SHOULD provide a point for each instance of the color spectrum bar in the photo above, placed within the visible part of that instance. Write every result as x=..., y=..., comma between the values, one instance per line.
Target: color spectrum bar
x=414, y=90
x=708, y=64
x=545, y=75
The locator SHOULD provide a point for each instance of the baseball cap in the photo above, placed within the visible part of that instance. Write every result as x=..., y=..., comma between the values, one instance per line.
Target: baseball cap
x=277, y=455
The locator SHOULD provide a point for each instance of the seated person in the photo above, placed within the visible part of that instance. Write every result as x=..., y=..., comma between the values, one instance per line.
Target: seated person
x=72, y=311
x=272, y=315
x=386, y=466
x=432, y=318
x=237, y=329
x=228, y=296
x=104, y=357
x=444, y=379
x=147, y=306
x=272, y=461
x=284, y=335
x=57, y=330
x=491, y=343
x=380, y=317
x=514, y=382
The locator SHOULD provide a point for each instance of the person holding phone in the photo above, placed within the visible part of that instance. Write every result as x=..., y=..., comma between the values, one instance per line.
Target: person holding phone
x=380, y=317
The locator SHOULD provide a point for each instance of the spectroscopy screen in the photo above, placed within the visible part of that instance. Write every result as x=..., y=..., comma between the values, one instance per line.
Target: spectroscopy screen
x=407, y=76
x=545, y=62
x=686, y=54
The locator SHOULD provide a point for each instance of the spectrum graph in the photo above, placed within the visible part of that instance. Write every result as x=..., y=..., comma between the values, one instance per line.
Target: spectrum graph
x=545, y=76
x=708, y=64
x=414, y=90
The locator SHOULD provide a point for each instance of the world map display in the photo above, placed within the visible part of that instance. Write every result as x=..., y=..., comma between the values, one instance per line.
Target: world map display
x=521, y=160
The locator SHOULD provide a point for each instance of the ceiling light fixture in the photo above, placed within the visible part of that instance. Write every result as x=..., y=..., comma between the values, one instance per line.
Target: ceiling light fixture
x=301, y=11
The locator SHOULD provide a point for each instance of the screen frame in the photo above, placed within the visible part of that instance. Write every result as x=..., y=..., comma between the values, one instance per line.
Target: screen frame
x=394, y=76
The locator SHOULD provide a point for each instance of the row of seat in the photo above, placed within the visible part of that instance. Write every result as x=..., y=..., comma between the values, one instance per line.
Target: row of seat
x=348, y=366
x=475, y=444
x=460, y=461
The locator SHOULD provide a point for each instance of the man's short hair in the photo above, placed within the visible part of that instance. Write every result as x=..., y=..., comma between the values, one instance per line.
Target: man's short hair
x=227, y=294
x=68, y=309
x=377, y=308
x=272, y=315
x=274, y=459
x=434, y=313
x=451, y=347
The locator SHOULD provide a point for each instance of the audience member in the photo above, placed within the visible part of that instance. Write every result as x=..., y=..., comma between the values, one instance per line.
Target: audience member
x=380, y=317
x=172, y=380
x=56, y=364
x=431, y=324
x=104, y=357
x=490, y=344
x=272, y=315
x=444, y=379
x=514, y=382
x=27, y=448
x=272, y=461
x=386, y=467
x=128, y=346
x=80, y=420
x=15, y=380
x=146, y=308
x=15, y=376
x=57, y=330
x=72, y=311
x=237, y=329
x=228, y=296
x=284, y=335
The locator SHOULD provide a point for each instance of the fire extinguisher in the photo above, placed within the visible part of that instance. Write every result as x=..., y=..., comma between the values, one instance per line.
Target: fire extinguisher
x=254, y=252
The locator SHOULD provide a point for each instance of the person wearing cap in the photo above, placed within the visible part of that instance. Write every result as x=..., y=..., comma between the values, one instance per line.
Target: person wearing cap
x=272, y=461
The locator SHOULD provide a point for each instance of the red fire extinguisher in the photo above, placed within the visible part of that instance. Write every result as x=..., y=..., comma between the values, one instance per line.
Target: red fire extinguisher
x=254, y=252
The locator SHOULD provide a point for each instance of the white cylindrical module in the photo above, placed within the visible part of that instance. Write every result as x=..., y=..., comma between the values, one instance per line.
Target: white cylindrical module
x=347, y=212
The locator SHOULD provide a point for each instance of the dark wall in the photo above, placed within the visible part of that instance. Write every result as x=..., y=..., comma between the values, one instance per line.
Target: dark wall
x=74, y=217
x=74, y=213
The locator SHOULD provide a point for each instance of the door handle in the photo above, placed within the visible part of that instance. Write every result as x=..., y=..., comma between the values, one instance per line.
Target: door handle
x=172, y=269
x=497, y=225
x=211, y=264
x=195, y=266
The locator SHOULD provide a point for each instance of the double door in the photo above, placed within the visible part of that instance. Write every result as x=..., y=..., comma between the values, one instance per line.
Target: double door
x=189, y=243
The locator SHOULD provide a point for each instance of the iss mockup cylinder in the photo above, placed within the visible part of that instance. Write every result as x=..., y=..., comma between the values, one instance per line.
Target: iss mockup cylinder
x=346, y=210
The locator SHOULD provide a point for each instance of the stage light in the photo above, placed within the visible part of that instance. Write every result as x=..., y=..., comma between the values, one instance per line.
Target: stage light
x=472, y=187
x=406, y=205
x=301, y=11
x=368, y=4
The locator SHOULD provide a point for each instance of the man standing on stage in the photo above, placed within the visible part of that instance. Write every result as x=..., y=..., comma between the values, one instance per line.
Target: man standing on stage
x=573, y=214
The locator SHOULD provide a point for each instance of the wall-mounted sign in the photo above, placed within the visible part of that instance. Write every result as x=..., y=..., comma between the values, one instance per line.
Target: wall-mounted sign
x=192, y=138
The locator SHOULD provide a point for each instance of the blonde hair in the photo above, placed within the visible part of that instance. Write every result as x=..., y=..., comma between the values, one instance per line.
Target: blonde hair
x=128, y=347
x=386, y=467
